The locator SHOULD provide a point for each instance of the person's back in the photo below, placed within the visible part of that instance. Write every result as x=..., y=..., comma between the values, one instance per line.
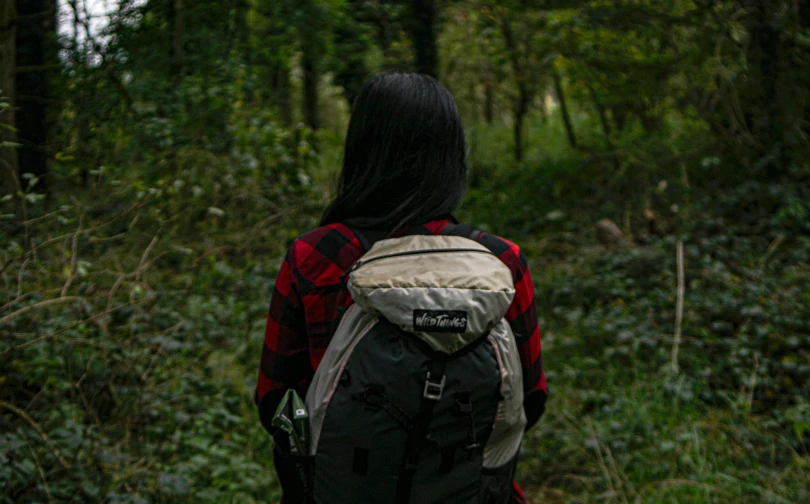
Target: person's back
x=404, y=171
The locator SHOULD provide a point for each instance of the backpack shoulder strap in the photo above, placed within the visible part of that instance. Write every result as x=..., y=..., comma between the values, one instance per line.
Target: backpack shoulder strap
x=461, y=230
x=367, y=237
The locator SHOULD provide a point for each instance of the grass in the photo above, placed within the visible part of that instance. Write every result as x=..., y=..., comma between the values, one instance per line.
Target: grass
x=631, y=434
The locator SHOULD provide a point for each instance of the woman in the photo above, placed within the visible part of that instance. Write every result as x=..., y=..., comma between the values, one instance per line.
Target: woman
x=404, y=172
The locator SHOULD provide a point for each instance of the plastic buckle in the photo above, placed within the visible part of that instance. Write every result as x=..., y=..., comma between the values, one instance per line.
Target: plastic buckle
x=433, y=390
x=462, y=408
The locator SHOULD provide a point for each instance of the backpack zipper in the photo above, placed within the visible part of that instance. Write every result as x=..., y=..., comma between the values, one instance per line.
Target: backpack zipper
x=361, y=262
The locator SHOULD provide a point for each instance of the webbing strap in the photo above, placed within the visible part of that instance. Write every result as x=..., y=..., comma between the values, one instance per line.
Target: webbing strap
x=461, y=230
x=434, y=385
x=367, y=237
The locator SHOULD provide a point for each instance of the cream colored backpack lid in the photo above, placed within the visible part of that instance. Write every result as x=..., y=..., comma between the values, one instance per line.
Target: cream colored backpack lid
x=447, y=290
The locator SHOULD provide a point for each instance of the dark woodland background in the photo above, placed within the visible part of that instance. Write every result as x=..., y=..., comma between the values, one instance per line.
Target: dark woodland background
x=158, y=157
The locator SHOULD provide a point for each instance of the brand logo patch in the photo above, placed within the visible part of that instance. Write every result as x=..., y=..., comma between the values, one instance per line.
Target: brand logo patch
x=450, y=321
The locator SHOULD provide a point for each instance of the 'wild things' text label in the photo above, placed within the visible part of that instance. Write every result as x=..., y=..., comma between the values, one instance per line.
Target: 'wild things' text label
x=451, y=321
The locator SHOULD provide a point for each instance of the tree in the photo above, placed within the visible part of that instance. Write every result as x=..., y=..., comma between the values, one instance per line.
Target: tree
x=523, y=31
x=309, y=68
x=499, y=48
x=569, y=127
x=36, y=31
x=274, y=46
x=311, y=23
x=776, y=96
x=422, y=26
x=8, y=155
x=475, y=68
x=522, y=82
x=309, y=20
x=352, y=40
x=175, y=19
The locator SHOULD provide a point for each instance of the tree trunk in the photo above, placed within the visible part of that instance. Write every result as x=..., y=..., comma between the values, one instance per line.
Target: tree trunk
x=83, y=150
x=521, y=81
x=176, y=37
x=619, y=116
x=763, y=100
x=569, y=127
x=603, y=119
x=281, y=93
x=8, y=156
x=383, y=33
x=351, y=80
x=423, y=19
x=614, y=156
x=352, y=75
x=309, y=67
x=518, y=132
x=35, y=28
x=768, y=39
x=82, y=120
x=242, y=10
x=804, y=79
x=9, y=181
x=489, y=91
x=352, y=71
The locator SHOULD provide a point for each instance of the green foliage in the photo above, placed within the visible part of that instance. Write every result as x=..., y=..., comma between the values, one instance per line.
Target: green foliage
x=130, y=321
x=621, y=426
x=130, y=337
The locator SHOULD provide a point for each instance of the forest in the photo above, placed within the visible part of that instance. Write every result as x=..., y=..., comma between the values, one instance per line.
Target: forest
x=651, y=158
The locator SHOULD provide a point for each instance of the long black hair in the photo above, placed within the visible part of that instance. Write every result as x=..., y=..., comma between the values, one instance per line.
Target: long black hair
x=404, y=157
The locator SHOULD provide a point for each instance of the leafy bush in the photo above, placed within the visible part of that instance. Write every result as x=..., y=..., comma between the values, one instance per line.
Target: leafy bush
x=131, y=322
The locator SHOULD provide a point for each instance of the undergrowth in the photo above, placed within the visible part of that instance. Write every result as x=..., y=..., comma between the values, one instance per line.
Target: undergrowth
x=132, y=317
x=732, y=422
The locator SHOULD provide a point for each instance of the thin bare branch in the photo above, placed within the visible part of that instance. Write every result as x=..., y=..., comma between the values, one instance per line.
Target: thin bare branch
x=679, y=307
x=68, y=328
x=144, y=256
x=39, y=467
x=41, y=304
x=25, y=416
x=74, y=254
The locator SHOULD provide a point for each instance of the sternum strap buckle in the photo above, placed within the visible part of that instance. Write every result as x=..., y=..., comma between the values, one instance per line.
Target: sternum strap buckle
x=433, y=390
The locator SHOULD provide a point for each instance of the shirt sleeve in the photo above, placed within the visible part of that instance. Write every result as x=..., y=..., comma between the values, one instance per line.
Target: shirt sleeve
x=285, y=362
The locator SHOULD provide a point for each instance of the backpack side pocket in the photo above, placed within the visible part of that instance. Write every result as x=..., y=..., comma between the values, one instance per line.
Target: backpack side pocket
x=510, y=420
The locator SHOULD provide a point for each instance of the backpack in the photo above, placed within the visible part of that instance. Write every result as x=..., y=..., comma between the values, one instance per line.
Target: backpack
x=419, y=396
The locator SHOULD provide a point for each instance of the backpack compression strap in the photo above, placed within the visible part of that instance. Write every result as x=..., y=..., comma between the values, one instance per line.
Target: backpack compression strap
x=432, y=393
x=434, y=381
x=434, y=385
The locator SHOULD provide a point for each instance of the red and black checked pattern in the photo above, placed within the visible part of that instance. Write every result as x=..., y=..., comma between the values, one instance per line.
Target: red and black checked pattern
x=309, y=298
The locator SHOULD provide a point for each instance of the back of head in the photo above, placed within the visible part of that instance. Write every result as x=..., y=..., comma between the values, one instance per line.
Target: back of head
x=404, y=157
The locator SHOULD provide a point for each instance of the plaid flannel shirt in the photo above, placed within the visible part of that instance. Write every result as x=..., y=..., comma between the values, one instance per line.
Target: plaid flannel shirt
x=309, y=299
